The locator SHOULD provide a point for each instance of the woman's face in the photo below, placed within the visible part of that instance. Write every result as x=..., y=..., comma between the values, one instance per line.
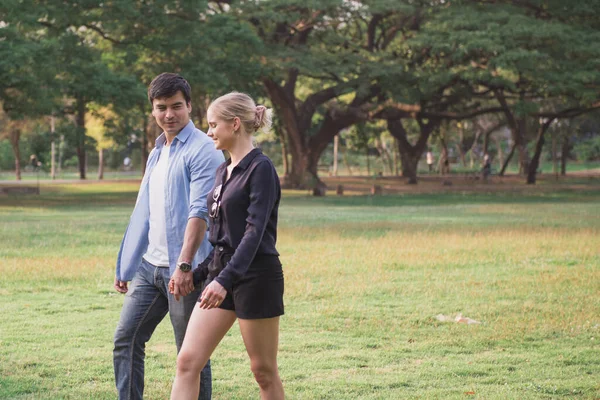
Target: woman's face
x=223, y=133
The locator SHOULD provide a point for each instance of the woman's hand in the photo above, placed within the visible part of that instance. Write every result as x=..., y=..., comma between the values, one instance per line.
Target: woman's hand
x=212, y=295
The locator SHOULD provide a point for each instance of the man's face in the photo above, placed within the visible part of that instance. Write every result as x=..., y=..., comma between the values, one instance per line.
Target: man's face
x=172, y=113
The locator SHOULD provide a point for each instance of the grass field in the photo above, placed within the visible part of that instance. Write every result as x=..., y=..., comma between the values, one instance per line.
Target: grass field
x=365, y=279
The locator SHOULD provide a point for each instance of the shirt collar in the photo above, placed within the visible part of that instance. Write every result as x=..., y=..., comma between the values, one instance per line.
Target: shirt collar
x=182, y=136
x=247, y=158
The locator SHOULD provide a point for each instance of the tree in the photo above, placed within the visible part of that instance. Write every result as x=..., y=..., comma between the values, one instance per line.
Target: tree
x=26, y=78
x=12, y=130
x=78, y=68
x=321, y=61
x=215, y=50
x=533, y=59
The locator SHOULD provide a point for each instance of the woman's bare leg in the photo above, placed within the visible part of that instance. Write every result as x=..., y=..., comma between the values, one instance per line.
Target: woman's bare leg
x=261, y=337
x=204, y=332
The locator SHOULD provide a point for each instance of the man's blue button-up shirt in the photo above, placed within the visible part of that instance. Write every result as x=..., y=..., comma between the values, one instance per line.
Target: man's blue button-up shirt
x=193, y=161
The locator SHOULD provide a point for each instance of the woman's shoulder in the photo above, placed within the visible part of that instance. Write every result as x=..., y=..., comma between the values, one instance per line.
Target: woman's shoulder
x=263, y=162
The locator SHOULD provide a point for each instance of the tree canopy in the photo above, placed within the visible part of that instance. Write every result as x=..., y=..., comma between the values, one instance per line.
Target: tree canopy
x=323, y=65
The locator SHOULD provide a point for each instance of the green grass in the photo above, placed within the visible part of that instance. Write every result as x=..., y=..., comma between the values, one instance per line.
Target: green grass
x=365, y=279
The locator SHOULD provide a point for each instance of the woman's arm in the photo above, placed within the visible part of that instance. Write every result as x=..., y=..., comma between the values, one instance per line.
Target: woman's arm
x=264, y=192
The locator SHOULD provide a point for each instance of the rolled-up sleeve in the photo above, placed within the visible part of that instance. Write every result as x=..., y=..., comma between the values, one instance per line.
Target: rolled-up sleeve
x=202, y=177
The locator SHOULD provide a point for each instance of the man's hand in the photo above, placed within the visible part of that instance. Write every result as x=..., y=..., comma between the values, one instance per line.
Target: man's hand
x=181, y=283
x=212, y=296
x=120, y=286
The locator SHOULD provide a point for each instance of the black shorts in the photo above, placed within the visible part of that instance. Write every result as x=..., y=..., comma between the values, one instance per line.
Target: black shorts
x=259, y=294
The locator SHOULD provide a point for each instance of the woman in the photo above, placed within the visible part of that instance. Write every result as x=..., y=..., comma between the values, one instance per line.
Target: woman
x=243, y=273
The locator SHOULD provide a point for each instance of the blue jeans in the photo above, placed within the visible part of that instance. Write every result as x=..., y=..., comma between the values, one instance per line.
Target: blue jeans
x=146, y=303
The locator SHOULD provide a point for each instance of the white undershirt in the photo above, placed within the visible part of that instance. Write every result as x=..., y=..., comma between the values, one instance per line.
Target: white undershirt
x=158, y=251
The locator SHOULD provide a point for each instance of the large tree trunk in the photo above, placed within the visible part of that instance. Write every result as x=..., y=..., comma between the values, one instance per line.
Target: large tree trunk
x=100, y=164
x=518, y=128
x=200, y=103
x=152, y=132
x=521, y=141
x=462, y=146
x=462, y=155
x=80, y=132
x=554, y=155
x=52, y=149
x=336, y=142
x=284, y=155
x=410, y=154
x=444, y=162
x=539, y=146
x=145, y=152
x=15, y=137
x=305, y=156
x=486, y=143
x=564, y=155
x=61, y=153
x=53, y=159
x=409, y=165
x=486, y=140
x=396, y=170
x=507, y=161
x=284, y=102
x=144, y=144
x=296, y=120
x=485, y=128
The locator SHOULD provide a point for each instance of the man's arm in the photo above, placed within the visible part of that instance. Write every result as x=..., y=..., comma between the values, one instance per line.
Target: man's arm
x=202, y=168
x=183, y=282
x=122, y=286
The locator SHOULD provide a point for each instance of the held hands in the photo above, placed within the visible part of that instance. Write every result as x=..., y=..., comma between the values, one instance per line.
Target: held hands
x=212, y=296
x=181, y=283
x=120, y=286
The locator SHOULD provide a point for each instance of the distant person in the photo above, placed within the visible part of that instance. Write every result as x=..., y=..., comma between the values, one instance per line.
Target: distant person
x=34, y=162
x=166, y=236
x=486, y=170
x=429, y=157
x=243, y=273
x=127, y=163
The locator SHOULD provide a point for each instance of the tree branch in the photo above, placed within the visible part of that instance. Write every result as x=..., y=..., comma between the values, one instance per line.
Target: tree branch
x=308, y=108
x=103, y=34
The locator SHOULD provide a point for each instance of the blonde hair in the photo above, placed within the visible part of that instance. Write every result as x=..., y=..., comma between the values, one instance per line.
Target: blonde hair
x=235, y=104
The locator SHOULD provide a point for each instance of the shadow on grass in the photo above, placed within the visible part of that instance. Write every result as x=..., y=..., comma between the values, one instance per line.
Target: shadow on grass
x=88, y=196
x=69, y=200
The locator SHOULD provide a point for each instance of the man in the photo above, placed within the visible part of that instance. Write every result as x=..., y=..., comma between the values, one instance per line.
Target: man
x=166, y=235
x=430, y=160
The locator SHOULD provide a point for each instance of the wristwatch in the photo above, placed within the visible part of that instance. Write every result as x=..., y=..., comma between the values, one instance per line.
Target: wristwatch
x=184, y=266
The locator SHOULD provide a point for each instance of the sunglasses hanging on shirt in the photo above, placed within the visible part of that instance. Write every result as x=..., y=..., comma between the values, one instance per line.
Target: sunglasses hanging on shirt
x=216, y=206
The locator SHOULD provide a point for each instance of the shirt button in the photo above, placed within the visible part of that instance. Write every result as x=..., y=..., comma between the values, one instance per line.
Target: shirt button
x=220, y=248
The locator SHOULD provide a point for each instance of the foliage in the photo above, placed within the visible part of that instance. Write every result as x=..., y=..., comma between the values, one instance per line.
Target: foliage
x=324, y=65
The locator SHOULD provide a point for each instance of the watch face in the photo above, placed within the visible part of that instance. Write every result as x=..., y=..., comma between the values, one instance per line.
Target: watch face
x=185, y=267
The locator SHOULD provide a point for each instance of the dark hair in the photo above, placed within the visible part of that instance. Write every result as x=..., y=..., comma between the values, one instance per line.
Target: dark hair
x=167, y=85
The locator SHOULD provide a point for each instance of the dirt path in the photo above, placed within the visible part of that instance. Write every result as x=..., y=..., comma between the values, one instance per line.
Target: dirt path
x=455, y=183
